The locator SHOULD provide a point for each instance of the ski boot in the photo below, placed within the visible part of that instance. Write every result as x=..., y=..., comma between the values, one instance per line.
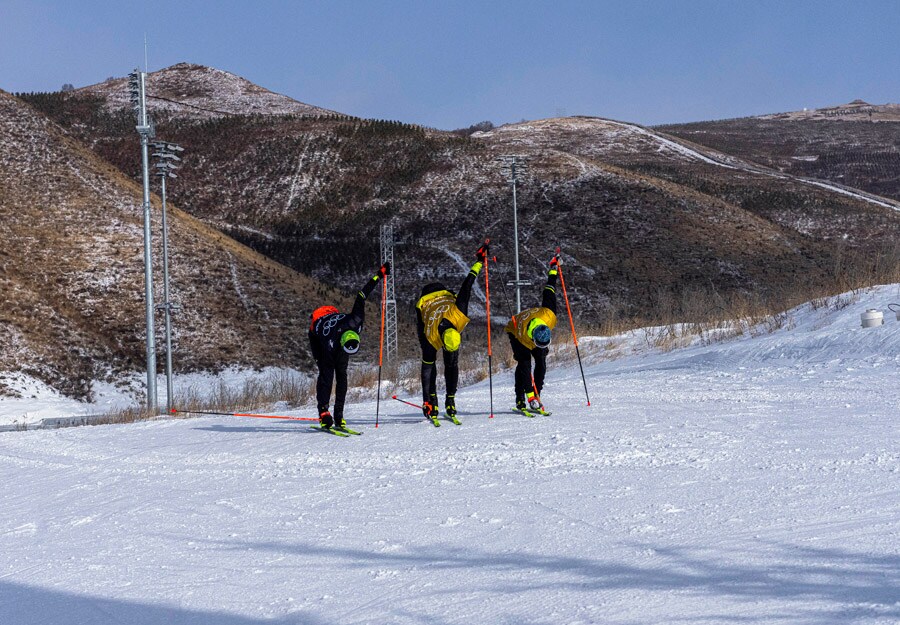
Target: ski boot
x=450, y=408
x=340, y=423
x=522, y=406
x=431, y=411
x=326, y=420
x=535, y=405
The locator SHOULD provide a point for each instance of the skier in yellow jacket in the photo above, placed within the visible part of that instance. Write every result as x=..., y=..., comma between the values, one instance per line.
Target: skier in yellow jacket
x=440, y=322
x=529, y=336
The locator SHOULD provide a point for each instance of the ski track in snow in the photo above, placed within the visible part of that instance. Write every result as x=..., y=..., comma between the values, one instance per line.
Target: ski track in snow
x=755, y=480
x=694, y=154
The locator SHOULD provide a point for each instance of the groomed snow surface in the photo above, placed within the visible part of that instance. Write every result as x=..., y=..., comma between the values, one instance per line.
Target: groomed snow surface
x=755, y=480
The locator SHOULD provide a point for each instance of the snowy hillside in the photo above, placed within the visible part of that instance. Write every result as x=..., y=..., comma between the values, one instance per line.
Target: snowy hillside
x=192, y=91
x=750, y=480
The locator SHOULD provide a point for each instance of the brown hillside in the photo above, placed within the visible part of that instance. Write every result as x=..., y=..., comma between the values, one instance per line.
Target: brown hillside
x=857, y=144
x=71, y=272
x=644, y=219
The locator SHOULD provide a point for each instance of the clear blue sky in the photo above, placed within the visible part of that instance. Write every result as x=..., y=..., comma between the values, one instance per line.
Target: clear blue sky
x=449, y=64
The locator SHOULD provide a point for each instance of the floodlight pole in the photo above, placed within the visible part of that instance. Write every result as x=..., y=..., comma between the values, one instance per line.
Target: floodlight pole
x=515, y=165
x=165, y=237
x=512, y=169
x=145, y=130
x=165, y=153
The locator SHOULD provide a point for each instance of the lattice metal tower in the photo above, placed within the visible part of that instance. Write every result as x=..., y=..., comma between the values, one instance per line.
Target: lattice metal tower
x=390, y=310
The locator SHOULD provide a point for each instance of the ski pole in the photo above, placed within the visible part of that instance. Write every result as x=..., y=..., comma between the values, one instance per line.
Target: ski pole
x=381, y=348
x=562, y=282
x=408, y=403
x=487, y=298
x=239, y=414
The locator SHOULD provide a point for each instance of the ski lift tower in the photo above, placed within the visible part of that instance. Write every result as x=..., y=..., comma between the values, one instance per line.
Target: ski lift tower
x=514, y=166
x=390, y=307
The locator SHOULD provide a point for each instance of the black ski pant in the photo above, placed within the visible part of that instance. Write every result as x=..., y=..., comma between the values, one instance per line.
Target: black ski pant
x=523, y=357
x=429, y=371
x=327, y=371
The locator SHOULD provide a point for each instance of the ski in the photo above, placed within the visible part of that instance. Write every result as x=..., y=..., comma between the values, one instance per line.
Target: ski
x=532, y=412
x=452, y=418
x=319, y=428
x=434, y=421
x=347, y=430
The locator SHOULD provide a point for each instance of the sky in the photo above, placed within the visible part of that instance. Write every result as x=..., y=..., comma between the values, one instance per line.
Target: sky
x=450, y=64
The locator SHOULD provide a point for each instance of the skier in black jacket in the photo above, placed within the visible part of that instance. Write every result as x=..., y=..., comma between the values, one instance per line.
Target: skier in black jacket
x=333, y=337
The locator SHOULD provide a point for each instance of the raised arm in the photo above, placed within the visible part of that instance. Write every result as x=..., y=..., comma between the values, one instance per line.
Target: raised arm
x=549, y=297
x=358, y=315
x=465, y=291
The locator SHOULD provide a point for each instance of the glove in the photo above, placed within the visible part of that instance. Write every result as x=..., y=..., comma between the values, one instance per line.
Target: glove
x=385, y=269
x=426, y=409
x=482, y=252
x=554, y=263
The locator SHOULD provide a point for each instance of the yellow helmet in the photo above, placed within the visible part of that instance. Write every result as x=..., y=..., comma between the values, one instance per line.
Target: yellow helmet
x=451, y=339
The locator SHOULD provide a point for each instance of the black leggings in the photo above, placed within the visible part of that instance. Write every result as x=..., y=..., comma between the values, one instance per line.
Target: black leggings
x=327, y=372
x=429, y=370
x=523, y=357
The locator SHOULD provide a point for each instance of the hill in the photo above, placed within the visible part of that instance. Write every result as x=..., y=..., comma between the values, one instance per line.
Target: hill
x=199, y=92
x=71, y=273
x=651, y=225
x=856, y=144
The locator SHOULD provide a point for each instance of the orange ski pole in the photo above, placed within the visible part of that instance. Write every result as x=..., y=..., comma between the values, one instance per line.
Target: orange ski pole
x=562, y=281
x=239, y=414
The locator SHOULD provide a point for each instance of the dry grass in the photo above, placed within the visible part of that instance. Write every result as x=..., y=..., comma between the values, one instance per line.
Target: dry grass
x=252, y=394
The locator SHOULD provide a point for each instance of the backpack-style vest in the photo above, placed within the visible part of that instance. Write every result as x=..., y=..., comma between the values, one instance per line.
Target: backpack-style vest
x=436, y=307
x=518, y=325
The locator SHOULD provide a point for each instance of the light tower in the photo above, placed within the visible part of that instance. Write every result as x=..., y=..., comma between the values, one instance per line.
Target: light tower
x=514, y=166
x=390, y=309
x=166, y=155
x=137, y=84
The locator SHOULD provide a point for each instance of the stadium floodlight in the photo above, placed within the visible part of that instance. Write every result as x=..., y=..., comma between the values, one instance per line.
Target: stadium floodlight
x=165, y=169
x=514, y=166
x=137, y=83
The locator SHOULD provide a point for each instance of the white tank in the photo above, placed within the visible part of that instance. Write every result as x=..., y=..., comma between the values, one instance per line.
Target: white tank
x=872, y=318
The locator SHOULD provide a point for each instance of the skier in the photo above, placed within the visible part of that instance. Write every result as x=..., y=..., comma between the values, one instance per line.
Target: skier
x=333, y=338
x=441, y=319
x=529, y=336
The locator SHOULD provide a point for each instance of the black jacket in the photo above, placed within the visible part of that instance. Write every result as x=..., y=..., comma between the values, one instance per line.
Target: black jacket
x=325, y=332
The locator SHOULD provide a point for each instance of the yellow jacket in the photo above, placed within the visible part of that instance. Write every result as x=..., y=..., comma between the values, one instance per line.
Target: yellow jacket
x=434, y=308
x=518, y=325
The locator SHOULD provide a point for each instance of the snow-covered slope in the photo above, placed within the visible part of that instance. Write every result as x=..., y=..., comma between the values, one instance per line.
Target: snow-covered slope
x=753, y=480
